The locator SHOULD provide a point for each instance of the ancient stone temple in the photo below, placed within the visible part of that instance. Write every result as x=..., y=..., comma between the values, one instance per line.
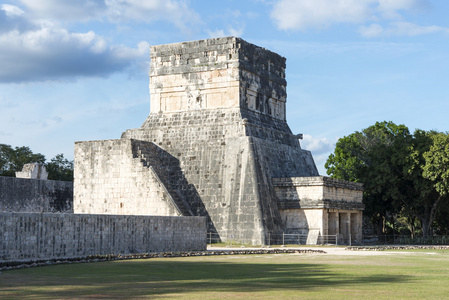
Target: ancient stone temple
x=216, y=143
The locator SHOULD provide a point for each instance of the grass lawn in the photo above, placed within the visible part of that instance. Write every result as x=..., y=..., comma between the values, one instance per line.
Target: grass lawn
x=422, y=274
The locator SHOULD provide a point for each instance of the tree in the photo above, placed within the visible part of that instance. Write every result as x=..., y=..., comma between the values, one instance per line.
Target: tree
x=60, y=168
x=367, y=157
x=418, y=195
x=348, y=160
x=12, y=160
x=404, y=175
x=436, y=169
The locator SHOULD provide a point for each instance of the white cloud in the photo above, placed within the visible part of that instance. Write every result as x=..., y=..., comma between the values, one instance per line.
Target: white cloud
x=222, y=33
x=33, y=48
x=146, y=11
x=66, y=10
x=176, y=12
x=12, y=18
x=51, y=53
x=216, y=33
x=390, y=8
x=317, y=145
x=236, y=31
x=374, y=30
x=399, y=29
x=306, y=14
x=11, y=10
x=321, y=148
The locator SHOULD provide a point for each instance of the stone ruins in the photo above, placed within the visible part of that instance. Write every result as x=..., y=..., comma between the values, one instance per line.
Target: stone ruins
x=33, y=171
x=216, y=144
x=37, y=222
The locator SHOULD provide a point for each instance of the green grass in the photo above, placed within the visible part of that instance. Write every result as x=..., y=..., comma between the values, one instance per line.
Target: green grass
x=408, y=274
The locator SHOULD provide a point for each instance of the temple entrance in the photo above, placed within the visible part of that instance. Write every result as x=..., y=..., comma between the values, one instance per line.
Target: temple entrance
x=346, y=225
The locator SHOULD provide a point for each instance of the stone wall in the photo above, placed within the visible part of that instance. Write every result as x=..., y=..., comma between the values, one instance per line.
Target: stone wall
x=318, y=192
x=121, y=177
x=217, y=73
x=301, y=221
x=321, y=206
x=33, y=195
x=49, y=235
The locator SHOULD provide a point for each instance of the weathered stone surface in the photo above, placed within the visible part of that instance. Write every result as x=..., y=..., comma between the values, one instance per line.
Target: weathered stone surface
x=218, y=133
x=217, y=73
x=31, y=195
x=123, y=181
x=49, y=235
x=215, y=138
x=321, y=204
x=33, y=171
x=318, y=192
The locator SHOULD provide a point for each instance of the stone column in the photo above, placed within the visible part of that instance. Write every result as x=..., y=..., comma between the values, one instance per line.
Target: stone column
x=344, y=226
x=356, y=226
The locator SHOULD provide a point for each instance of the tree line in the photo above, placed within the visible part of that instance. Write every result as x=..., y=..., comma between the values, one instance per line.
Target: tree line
x=13, y=159
x=405, y=176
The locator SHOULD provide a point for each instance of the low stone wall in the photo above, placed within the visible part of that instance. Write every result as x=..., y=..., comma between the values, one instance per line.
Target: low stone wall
x=34, y=195
x=51, y=235
x=383, y=248
x=11, y=265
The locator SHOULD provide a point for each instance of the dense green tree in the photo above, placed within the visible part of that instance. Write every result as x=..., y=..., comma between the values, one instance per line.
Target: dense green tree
x=404, y=175
x=366, y=157
x=59, y=168
x=441, y=224
x=418, y=195
x=436, y=169
x=13, y=159
x=436, y=166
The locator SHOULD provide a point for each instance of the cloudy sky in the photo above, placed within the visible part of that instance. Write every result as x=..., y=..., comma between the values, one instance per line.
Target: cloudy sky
x=78, y=70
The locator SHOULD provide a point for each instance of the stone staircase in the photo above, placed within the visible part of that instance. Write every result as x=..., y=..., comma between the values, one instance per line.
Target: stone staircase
x=166, y=168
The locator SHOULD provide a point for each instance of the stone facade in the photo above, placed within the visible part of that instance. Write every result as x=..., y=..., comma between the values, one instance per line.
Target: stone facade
x=128, y=186
x=217, y=73
x=37, y=220
x=215, y=138
x=321, y=205
x=51, y=235
x=32, y=195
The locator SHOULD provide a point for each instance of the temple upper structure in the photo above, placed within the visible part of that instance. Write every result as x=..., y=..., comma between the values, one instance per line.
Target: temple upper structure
x=216, y=143
x=217, y=74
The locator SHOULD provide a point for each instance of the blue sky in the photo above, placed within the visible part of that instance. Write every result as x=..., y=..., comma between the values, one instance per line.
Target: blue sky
x=78, y=70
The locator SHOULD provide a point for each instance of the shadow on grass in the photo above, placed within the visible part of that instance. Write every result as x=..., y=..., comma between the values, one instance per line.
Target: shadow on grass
x=158, y=278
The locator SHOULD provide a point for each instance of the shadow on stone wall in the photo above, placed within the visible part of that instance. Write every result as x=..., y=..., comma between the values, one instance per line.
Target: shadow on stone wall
x=168, y=169
x=33, y=195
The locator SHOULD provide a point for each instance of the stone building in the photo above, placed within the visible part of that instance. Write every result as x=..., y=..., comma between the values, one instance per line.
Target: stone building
x=216, y=143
